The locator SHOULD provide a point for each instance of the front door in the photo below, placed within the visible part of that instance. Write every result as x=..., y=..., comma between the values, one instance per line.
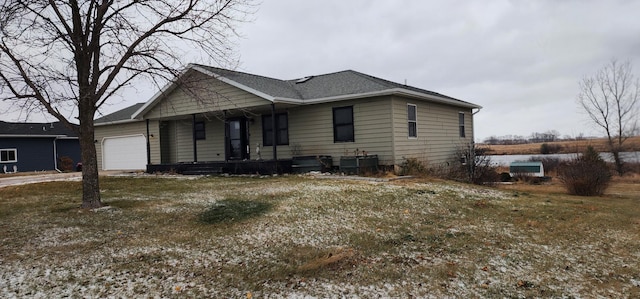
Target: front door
x=237, y=139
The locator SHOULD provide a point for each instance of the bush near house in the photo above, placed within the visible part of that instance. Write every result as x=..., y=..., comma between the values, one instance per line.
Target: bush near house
x=65, y=164
x=470, y=164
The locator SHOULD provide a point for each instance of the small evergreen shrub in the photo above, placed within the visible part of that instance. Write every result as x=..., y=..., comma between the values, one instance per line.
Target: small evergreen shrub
x=586, y=175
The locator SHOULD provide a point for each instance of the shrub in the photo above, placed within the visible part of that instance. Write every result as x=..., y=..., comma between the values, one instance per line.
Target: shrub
x=550, y=163
x=632, y=167
x=546, y=148
x=413, y=166
x=65, y=163
x=505, y=177
x=586, y=175
x=470, y=164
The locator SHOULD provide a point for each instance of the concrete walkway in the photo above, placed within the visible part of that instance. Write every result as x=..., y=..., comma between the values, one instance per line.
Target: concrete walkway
x=48, y=177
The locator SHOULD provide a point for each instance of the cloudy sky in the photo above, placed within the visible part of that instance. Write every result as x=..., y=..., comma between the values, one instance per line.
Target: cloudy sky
x=520, y=60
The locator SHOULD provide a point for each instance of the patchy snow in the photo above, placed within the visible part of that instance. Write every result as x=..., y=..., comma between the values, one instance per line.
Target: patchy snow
x=66, y=261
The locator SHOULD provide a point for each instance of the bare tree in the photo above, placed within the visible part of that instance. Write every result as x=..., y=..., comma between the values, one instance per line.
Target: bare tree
x=610, y=98
x=69, y=58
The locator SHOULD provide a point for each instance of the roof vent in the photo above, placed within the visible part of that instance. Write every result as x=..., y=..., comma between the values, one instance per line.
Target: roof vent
x=305, y=79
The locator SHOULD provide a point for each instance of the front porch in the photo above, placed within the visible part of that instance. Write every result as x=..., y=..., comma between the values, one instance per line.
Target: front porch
x=220, y=167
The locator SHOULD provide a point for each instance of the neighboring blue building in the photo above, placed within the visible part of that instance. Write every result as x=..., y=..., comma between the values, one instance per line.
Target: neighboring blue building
x=36, y=146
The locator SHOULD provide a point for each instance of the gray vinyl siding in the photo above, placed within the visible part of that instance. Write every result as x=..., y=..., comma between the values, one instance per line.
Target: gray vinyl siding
x=178, y=141
x=438, y=131
x=311, y=131
x=212, y=95
x=128, y=129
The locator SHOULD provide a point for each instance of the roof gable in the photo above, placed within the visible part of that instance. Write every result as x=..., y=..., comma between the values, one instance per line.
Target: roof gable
x=336, y=86
x=120, y=115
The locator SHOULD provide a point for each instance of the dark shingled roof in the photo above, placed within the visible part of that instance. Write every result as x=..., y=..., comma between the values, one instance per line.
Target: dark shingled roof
x=342, y=83
x=273, y=87
x=36, y=129
x=120, y=115
x=336, y=86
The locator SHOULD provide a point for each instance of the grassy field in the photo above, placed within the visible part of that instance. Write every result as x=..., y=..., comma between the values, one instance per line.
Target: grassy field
x=241, y=237
x=574, y=146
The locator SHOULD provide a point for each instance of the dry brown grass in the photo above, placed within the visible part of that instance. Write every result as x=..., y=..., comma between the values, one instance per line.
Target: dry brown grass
x=574, y=146
x=625, y=186
x=318, y=238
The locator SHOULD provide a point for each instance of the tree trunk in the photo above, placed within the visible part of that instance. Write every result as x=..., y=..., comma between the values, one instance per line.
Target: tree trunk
x=619, y=163
x=90, y=186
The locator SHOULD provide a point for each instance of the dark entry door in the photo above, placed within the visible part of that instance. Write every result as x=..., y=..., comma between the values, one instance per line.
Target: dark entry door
x=238, y=139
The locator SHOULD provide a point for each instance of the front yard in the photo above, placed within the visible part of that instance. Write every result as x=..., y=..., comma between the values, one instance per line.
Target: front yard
x=242, y=237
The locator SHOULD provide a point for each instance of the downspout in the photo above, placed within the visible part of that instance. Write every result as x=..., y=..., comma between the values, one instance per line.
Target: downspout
x=473, y=127
x=226, y=136
x=193, y=135
x=274, y=132
x=472, y=151
x=55, y=155
x=148, y=145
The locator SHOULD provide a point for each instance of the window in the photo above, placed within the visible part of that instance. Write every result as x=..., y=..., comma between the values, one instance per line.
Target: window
x=412, y=120
x=282, y=129
x=9, y=155
x=461, y=124
x=198, y=129
x=343, y=124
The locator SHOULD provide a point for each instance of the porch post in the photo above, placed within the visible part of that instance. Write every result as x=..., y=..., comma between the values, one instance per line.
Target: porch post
x=274, y=132
x=148, y=145
x=226, y=136
x=193, y=135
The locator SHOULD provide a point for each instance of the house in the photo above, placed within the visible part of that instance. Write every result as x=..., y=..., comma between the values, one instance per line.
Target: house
x=215, y=115
x=37, y=147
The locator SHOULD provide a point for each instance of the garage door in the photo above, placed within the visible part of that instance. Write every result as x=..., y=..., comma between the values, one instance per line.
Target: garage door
x=124, y=153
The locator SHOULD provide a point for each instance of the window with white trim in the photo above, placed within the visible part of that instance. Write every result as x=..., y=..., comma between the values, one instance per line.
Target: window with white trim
x=8, y=155
x=412, y=120
x=461, y=124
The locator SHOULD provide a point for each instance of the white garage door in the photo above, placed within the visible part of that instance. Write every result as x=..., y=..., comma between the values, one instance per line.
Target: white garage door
x=124, y=153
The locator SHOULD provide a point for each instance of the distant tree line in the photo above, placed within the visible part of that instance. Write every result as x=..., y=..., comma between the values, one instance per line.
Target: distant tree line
x=536, y=137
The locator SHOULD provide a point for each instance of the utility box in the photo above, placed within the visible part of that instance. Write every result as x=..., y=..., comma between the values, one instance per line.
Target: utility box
x=359, y=164
x=304, y=164
x=534, y=169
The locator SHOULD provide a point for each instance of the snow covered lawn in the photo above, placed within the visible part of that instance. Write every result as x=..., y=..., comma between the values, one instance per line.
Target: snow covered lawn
x=283, y=237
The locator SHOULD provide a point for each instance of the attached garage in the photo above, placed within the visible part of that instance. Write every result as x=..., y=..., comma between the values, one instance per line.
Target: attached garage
x=124, y=152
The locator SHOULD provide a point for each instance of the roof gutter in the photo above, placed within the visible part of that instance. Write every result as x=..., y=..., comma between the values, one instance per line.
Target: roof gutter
x=55, y=155
x=35, y=136
x=124, y=121
x=386, y=92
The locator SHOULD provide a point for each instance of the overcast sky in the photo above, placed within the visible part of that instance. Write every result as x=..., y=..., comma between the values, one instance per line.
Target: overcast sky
x=520, y=60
